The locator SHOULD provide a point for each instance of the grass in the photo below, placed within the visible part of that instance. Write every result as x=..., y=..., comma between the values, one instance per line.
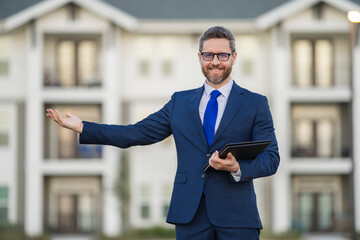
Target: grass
x=145, y=233
x=15, y=232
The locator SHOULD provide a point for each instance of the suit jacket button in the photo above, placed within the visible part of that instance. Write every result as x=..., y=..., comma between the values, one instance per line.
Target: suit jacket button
x=208, y=155
x=203, y=175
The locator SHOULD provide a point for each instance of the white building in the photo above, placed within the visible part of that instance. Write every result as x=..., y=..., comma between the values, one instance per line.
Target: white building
x=117, y=61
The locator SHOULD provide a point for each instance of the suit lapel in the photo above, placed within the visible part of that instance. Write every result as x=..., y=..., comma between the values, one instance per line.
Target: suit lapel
x=233, y=105
x=194, y=116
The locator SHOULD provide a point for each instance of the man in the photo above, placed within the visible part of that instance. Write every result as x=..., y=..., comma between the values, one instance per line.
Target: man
x=219, y=204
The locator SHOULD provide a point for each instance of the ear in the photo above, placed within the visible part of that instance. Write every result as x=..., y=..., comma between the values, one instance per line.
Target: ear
x=199, y=56
x=234, y=56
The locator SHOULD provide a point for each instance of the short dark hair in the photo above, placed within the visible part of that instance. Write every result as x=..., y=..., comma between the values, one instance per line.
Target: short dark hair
x=217, y=32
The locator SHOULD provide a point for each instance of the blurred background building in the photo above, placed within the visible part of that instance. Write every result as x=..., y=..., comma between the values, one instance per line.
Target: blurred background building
x=116, y=62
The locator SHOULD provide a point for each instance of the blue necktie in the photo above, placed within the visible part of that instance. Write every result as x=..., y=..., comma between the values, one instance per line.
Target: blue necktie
x=210, y=116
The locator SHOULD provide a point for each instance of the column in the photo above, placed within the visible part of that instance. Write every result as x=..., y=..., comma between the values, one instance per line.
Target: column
x=111, y=115
x=356, y=131
x=34, y=116
x=280, y=82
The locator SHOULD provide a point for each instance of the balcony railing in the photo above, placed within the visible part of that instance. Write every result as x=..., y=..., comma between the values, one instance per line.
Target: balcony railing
x=74, y=223
x=340, y=222
x=51, y=79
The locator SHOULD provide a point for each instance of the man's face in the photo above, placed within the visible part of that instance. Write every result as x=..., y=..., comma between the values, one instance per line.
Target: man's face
x=216, y=71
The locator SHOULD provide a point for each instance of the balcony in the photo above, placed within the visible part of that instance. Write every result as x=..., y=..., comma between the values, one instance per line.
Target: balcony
x=320, y=131
x=72, y=61
x=320, y=203
x=320, y=166
x=320, y=62
x=61, y=144
x=72, y=204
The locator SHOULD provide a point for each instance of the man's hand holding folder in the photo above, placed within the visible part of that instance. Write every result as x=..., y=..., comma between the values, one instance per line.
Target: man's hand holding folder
x=227, y=163
x=241, y=150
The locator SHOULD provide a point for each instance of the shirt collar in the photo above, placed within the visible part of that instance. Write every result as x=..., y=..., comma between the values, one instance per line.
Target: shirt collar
x=224, y=90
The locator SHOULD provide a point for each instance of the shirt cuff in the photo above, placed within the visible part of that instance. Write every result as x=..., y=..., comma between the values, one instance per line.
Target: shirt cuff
x=237, y=175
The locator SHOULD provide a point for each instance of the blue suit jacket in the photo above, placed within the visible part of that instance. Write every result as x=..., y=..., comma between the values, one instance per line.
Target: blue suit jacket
x=246, y=118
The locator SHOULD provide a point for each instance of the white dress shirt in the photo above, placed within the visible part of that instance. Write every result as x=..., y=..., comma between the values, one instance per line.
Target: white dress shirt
x=222, y=100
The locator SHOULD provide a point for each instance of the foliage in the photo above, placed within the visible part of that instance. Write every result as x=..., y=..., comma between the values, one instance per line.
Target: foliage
x=122, y=190
x=158, y=232
x=15, y=232
x=10, y=232
x=145, y=233
x=288, y=235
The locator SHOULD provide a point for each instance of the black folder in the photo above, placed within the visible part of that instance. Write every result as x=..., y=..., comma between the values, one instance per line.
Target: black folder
x=242, y=150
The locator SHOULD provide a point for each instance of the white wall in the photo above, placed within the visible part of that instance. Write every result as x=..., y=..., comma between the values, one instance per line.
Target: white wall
x=8, y=159
x=153, y=166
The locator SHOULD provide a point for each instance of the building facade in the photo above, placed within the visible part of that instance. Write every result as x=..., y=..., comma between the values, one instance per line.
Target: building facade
x=116, y=62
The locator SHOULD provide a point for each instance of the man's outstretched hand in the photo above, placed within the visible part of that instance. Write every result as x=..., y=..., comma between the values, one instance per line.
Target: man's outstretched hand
x=71, y=122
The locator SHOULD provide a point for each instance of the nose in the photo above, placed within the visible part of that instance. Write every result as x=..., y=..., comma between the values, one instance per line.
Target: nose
x=215, y=60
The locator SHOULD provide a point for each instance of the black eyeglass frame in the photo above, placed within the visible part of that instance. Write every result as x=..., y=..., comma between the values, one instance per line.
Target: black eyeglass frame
x=217, y=55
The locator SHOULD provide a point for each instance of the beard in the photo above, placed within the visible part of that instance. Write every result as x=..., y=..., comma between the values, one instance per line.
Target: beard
x=216, y=78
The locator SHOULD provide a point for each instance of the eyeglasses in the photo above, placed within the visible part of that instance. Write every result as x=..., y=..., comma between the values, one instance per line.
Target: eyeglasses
x=209, y=56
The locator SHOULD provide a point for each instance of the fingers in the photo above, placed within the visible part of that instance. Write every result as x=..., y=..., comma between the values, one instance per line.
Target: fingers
x=214, y=160
x=55, y=116
x=230, y=157
x=68, y=115
x=226, y=164
x=59, y=118
x=215, y=155
x=50, y=114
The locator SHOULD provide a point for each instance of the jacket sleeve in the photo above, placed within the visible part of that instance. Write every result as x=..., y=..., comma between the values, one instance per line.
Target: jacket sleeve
x=266, y=163
x=152, y=129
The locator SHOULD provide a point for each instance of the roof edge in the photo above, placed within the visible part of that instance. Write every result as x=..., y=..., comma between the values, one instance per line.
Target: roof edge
x=275, y=16
x=24, y=16
x=344, y=5
x=107, y=11
x=103, y=9
x=186, y=26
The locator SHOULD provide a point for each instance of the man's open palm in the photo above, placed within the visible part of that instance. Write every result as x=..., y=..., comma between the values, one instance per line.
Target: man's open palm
x=71, y=122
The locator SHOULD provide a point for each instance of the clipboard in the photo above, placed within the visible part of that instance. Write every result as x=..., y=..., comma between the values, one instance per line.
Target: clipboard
x=242, y=150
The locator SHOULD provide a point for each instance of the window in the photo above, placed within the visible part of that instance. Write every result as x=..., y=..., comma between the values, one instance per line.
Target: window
x=166, y=193
x=313, y=62
x=77, y=63
x=61, y=143
x=316, y=211
x=72, y=62
x=314, y=138
x=165, y=210
x=166, y=48
x=247, y=67
x=5, y=48
x=145, y=211
x=85, y=213
x=320, y=130
x=144, y=67
x=72, y=204
x=248, y=50
x=4, y=67
x=76, y=212
x=143, y=47
x=4, y=204
x=154, y=56
x=167, y=67
x=4, y=128
x=145, y=199
x=318, y=203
